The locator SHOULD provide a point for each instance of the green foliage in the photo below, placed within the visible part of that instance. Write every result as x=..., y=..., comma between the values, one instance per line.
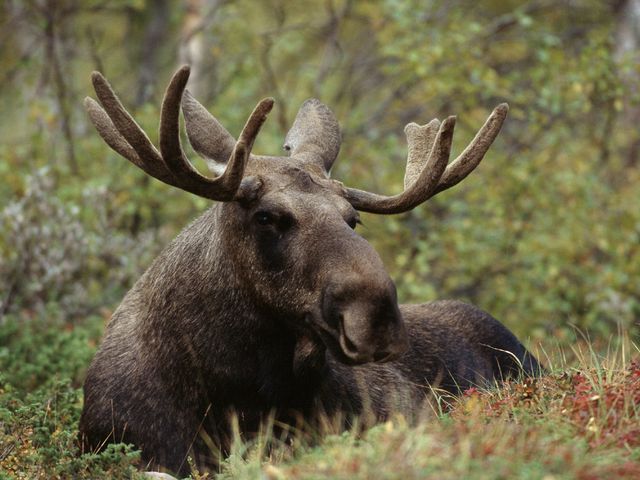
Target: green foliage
x=43, y=246
x=42, y=365
x=545, y=234
x=35, y=351
x=563, y=249
x=61, y=257
x=39, y=439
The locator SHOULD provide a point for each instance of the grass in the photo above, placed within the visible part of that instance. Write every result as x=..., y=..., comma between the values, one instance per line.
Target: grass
x=41, y=370
x=580, y=421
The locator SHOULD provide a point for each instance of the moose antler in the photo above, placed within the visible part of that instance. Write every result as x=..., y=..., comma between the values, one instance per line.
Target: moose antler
x=121, y=132
x=427, y=175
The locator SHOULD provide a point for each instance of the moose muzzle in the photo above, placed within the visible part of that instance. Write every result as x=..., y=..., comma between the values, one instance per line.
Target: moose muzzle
x=363, y=320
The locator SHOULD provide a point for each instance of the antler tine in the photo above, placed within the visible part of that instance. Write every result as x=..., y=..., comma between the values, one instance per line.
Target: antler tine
x=121, y=132
x=224, y=187
x=427, y=176
x=420, y=141
x=109, y=133
x=232, y=177
x=170, y=147
x=116, y=141
x=469, y=159
x=420, y=190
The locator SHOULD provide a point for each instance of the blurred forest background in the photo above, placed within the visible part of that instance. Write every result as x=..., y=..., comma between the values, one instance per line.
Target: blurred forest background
x=545, y=234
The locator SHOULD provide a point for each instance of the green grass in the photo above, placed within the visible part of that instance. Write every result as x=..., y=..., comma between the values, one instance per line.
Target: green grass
x=41, y=369
x=580, y=421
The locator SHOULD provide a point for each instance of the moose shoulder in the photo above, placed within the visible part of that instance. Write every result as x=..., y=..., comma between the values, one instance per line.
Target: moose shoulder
x=270, y=302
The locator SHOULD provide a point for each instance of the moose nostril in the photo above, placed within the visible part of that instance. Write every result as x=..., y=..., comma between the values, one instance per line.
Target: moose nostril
x=346, y=341
x=349, y=345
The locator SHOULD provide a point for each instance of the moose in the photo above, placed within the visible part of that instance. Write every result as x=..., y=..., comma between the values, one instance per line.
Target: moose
x=270, y=303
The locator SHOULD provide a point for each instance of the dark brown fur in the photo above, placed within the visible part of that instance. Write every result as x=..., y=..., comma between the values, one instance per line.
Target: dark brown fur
x=273, y=304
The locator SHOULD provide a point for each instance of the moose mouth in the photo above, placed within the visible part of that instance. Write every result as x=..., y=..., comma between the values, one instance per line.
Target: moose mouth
x=343, y=348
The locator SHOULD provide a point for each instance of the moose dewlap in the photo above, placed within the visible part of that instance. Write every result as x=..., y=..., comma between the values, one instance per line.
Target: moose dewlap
x=270, y=303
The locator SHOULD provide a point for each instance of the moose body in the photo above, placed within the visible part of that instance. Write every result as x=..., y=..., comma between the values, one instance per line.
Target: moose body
x=270, y=303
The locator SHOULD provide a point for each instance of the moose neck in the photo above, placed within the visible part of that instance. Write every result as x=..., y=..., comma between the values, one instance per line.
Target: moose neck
x=210, y=313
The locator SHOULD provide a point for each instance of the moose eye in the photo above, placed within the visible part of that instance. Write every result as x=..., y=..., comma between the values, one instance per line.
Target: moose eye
x=264, y=218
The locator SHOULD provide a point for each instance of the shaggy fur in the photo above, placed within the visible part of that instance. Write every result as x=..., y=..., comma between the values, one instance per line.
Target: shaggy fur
x=272, y=304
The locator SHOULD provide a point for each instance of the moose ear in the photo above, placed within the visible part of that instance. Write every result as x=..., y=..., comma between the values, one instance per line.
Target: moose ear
x=207, y=136
x=315, y=135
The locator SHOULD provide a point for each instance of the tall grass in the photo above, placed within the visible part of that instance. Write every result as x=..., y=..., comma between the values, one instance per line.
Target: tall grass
x=581, y=420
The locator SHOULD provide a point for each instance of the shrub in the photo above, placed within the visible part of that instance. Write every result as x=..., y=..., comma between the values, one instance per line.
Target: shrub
x=43, y=247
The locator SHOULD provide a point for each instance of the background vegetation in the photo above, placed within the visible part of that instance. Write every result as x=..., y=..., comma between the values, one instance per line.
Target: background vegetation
x=545, y=234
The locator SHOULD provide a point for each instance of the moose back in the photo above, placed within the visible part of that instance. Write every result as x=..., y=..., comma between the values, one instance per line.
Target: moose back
x=271, y=303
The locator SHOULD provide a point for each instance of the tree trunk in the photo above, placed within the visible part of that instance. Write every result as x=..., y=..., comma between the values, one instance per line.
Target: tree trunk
x=155, y=34
x=198, y=17
x=627, y=52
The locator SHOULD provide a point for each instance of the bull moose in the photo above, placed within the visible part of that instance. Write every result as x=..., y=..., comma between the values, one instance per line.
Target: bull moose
x=270, y=303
